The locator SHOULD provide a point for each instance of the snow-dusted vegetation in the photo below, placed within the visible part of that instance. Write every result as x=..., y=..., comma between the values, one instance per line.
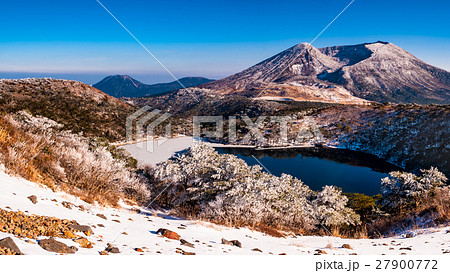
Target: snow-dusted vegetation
x=224, y=189
x=221, y=188
x=37, y=149
x=404, y=189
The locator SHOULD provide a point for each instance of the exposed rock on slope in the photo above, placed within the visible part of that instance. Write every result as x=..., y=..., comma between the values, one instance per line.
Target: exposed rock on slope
x=344, y=74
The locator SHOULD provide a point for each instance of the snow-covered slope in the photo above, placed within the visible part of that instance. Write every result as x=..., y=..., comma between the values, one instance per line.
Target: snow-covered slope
x=140, y=229
x=377, y=71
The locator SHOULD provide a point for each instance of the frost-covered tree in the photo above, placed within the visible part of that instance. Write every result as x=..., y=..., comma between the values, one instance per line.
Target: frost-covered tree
x=405, y=189
x=224, y=189
x=330, y=209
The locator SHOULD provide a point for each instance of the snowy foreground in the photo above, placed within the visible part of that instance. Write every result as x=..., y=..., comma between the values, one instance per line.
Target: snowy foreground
x=141, y=230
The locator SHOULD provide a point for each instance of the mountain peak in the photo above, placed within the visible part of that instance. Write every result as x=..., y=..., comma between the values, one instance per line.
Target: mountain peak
x=377, y=71
x=303, y=45
x=122, y=77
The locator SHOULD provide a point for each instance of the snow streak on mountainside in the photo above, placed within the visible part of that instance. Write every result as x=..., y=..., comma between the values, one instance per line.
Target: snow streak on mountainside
x=377, y=71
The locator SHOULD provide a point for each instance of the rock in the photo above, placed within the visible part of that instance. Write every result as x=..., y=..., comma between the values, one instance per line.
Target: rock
x=124, y=233
x=320, y=251
x=186, y=243
x=83, y=242
x=409, y=235
x=69, y=234
x=347, y=246
x=257, y=249
x=111, y=249
x=8, y=243
x=115, y=220
x=67, y=205
x=168, y=234
x=187, y=253
x=405, y=248
x=282, y=254
x=33, y=199
x=101, y=225
x=54, y=246
x=7, y=251
x=226, y=242
x=231, y=243
x=101, y=216
x=138, y=250
x=236, y=243
x=87, y=230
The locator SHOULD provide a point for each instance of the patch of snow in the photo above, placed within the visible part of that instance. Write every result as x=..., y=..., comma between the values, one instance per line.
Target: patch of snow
x=152, y=152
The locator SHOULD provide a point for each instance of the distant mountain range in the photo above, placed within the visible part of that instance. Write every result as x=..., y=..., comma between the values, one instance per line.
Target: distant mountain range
x=379, y=71
x=125, y=86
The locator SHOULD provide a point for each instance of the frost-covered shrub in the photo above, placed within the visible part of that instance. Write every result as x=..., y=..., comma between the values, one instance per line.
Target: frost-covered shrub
x=223, y=188
x=38, y=149
x=329, y=206
x=404, y=189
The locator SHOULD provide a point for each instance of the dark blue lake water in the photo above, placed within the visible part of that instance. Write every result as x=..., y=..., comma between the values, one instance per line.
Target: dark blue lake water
x=316, y=167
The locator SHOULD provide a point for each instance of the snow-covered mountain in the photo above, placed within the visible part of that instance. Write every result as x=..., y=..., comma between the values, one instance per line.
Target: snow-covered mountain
x=125, y=86
x=377, y=71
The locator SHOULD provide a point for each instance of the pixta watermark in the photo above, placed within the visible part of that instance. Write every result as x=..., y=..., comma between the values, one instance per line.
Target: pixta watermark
x=264, y=131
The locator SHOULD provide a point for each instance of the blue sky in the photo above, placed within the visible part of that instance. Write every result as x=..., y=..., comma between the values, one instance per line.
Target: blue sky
x=80, y=40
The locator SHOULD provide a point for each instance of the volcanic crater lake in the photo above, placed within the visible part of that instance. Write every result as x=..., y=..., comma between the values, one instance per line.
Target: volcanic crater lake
x=349, y=170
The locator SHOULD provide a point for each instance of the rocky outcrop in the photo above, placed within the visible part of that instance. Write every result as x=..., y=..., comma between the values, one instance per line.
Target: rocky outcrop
x=168, y=234
x=87, y=230
x=8, y=247
x=54, y=246
x=33, y=199
x=33, y=226
x=231, y=243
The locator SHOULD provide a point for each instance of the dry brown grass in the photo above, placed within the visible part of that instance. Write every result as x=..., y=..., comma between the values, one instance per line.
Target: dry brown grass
x=34, y=156
x=355, y=232
x=21, y=154
x=269, y=230
x=433, y=210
